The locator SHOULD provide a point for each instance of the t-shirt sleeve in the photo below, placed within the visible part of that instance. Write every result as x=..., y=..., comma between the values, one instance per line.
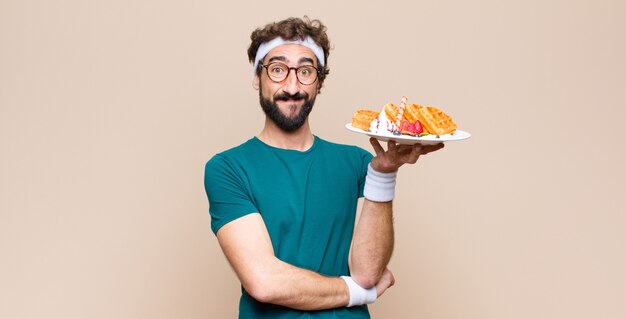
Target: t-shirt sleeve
x=228, y=192
x=366, y=158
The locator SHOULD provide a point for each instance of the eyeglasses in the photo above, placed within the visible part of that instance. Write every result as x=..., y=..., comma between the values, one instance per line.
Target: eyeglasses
x=278, y=72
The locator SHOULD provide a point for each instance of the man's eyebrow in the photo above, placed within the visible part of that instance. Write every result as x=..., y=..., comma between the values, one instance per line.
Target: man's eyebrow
x=277, y=58
x=283, y=59
x=305, y=59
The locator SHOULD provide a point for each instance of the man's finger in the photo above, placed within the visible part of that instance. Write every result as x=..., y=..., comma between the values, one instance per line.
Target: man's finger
x=376, y=145
x=431, y=148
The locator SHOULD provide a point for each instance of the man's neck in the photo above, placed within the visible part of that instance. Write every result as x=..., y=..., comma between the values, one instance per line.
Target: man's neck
x=298, y=140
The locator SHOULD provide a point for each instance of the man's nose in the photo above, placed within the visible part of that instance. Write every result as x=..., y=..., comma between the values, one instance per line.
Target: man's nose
x=292, y=86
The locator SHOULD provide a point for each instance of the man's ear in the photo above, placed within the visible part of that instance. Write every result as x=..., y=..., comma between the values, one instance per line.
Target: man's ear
x=255, y=82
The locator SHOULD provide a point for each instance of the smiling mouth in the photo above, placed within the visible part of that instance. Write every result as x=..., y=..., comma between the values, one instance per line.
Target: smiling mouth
x=291, y=103
x=290, y=100
x=296, y=97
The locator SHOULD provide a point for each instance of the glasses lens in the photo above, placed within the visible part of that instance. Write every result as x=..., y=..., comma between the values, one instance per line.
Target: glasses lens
x=277, y=71
x=307, y=74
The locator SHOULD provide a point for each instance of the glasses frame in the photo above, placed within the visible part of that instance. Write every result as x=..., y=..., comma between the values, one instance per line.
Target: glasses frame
x=289, y=68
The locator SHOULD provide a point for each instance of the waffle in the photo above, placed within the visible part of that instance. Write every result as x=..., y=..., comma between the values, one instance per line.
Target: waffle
x=434, y=120
x=395, y=113
x=362, y=119
x=410, y=112
x=392, y=111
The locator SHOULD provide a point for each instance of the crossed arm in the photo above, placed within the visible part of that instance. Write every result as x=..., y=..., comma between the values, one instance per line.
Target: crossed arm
x=248, y=248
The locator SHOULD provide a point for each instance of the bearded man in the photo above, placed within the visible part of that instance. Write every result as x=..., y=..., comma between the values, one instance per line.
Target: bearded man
x=283, y=204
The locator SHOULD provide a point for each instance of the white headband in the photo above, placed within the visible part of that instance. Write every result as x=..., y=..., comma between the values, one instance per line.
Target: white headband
x=266, y=47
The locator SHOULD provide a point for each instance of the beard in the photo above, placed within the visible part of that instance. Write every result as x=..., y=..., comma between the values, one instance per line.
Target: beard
x=286, y=123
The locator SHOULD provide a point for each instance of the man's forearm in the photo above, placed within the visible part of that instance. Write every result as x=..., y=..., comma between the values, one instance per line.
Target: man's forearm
x=372, y=244
x=286, y=285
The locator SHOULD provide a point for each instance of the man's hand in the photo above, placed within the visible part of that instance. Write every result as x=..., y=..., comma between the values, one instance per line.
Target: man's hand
x=387, y=280
x=398, y=155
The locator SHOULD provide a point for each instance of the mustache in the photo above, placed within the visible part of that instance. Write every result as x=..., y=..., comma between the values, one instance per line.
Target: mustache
x=286, y=96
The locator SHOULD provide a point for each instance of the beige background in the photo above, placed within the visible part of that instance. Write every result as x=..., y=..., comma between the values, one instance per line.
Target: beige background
x=109, y=110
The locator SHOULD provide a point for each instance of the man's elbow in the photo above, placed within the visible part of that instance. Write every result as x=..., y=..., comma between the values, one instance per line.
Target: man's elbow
x=364, y=275
x=260, y=294
x=260, y=290
x=367, y=279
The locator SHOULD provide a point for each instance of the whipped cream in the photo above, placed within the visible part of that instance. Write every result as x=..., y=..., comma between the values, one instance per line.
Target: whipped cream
x=382, y=124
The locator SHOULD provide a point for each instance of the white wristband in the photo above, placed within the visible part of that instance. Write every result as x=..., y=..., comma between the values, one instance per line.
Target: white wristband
x=359, y=295
x=379, y=187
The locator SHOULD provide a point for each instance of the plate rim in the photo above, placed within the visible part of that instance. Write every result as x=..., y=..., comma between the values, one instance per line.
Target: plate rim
x=403, y=139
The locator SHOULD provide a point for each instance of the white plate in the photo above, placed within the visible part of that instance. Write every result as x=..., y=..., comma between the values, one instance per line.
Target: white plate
x=457, y=135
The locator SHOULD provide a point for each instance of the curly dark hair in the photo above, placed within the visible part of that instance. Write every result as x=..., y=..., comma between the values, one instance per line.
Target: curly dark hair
x=291, y=29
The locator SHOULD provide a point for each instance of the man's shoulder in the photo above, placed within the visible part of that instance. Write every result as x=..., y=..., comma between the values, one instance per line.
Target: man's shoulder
x=245, y=147
x=233, y=154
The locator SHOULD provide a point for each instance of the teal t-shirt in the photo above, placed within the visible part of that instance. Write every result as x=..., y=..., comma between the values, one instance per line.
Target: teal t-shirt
x=307, y=200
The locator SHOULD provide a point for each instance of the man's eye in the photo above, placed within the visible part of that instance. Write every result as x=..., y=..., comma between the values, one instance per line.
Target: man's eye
x=277, y=70
x=305, y=72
